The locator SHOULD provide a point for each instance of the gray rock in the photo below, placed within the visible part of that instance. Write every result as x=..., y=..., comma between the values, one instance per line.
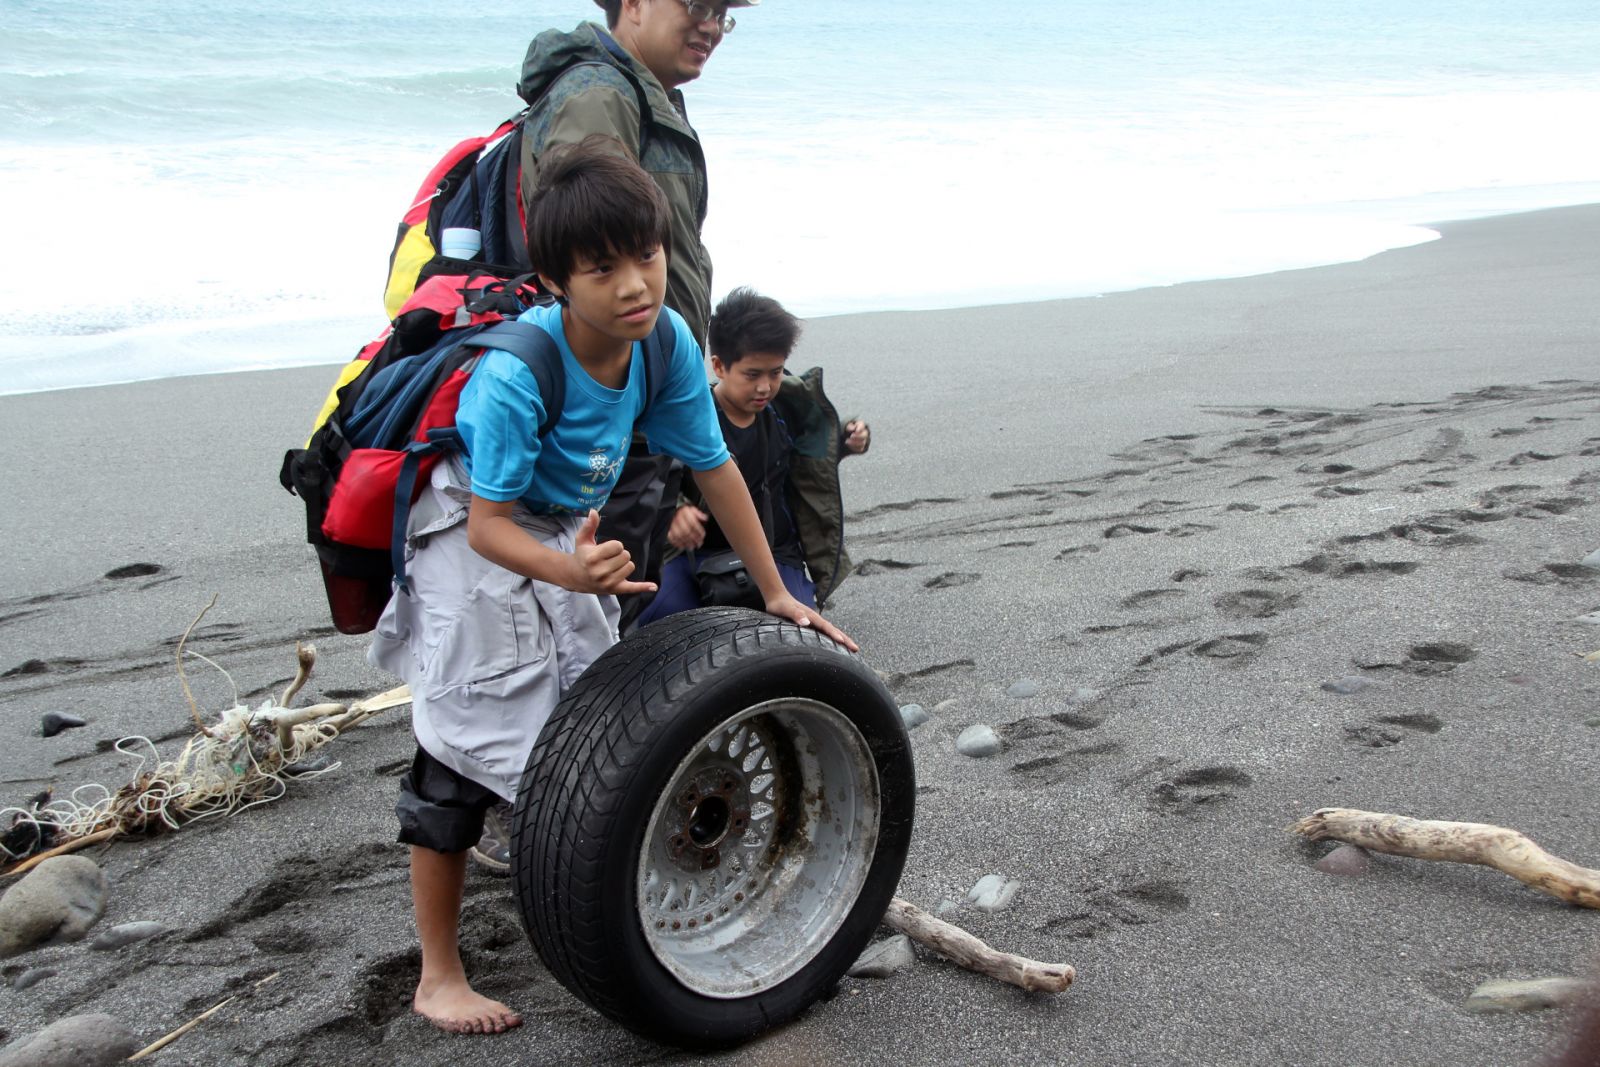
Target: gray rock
x=1023, y=688
x=1347, y=860
x=53, y=722
x=59, y=900
x=946, y=906
x=978, y=742
x=1350, y=683
x=126, y=934
x=1083, y=695
x=32, y=976
x=913, y=715
x=993, y=892
x=1591, y=619
x=883, y=958
x=1504, y=995
x=1592, y=560
x=76, y=1041
x=1592, y=722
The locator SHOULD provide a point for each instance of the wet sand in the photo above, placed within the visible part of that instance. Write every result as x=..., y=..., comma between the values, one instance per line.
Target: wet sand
x=1177, y=511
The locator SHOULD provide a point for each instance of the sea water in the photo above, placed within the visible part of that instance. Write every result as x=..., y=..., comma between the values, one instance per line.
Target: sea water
x=199, y=185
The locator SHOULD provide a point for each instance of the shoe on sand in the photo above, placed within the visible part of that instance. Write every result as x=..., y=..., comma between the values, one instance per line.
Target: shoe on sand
x=493, y=851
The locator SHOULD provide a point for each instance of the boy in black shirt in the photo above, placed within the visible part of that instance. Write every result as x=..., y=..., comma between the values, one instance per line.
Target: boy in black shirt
x=751, y=338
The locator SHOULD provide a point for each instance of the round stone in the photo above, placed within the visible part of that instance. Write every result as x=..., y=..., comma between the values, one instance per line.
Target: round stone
x=1023, y=688
x=913, y=715
x=978, y=742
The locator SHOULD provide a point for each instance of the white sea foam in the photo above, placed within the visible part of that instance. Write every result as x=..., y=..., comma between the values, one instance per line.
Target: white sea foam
x=232, y=204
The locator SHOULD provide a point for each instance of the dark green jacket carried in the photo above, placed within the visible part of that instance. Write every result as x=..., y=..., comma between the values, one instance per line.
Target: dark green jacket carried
x=815, y=499
x=583, y=82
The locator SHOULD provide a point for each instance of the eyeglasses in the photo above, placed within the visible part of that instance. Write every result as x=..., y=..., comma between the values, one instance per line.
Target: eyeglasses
x=702, y=12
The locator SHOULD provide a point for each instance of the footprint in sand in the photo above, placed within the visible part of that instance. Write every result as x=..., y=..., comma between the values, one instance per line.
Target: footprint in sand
x=134, y=570
x=1189, y=529
x=1236, y=647
x=1437, y=657
x=1555, y=574
x=1390, y=730
x=1147, y=596
x=882, y=566
x=1138, y=904
x=1077, y=551
x=1127, y=529
x=1183, y=793
x=1255, y=603
x=951, y=580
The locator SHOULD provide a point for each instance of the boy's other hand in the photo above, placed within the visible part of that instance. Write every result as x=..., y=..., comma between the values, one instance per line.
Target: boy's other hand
x=857, y=436
x=603, y=568
x=688, y=528
x=787, y=607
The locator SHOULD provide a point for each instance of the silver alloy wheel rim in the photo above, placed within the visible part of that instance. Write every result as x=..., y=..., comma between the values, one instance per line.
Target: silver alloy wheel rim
x=758, y=847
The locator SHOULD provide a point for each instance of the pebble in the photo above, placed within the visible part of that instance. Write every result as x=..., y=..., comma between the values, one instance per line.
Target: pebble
x=1592, y=722
x=1023, y=688
x=946, y=906
x=1083, y=695
x=1592, y=560
x=1350, y=683
x=76, y=1041
x=913, y=715
x=126, y=934
x=1591, y=619
x=978, y=742
x=32, y=976
x=993, y=892
x=1346, y=860
x=883, y=958
x=1505, y=995
x=59, y=900
x=54, y=722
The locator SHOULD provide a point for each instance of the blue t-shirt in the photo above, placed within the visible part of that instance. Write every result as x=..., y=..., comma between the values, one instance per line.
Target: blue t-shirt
x=575, y=466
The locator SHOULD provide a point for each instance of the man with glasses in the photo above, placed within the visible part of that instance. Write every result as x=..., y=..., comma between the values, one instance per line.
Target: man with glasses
x=624, y=82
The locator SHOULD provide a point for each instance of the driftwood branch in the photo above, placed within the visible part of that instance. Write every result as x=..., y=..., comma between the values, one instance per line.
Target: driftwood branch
x=161, y=1043
x=60, y=850
x=1505, y=850
x=958, y=946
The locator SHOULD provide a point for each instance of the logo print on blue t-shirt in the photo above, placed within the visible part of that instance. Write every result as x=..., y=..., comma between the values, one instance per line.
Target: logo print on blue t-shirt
x=602, y=469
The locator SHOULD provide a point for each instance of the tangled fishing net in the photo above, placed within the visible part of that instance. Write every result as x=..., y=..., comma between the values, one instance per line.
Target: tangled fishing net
x=247, y=757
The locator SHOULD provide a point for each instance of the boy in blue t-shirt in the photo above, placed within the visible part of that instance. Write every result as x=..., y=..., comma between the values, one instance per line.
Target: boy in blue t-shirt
x=511, y=597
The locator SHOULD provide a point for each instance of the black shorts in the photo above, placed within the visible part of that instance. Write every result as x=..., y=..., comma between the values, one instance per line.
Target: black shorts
x=440, y=809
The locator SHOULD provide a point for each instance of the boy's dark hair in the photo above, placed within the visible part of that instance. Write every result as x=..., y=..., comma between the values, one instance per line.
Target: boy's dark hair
x=591, y=202
x=747, y=322
x=613, y=11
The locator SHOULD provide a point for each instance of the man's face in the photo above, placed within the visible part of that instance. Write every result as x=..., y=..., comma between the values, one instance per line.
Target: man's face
x=669, y=42
x=746, y=386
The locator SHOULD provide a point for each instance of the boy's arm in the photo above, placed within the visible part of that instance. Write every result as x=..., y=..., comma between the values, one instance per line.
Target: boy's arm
x=589, y=568
x=729, y=502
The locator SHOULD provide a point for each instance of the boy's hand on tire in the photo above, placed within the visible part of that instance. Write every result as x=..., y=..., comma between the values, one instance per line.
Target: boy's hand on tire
x=787, y=607
x=603, y=568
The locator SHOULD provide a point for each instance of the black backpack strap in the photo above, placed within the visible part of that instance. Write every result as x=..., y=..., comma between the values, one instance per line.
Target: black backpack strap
x=542, y=356
x=658, y=350
x=539, y=352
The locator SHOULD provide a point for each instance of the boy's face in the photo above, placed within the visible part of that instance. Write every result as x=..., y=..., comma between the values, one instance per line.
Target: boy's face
x=746, y=386
x=618, y=295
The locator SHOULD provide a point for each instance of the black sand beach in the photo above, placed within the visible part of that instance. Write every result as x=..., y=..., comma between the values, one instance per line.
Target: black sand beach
x=1178, y=512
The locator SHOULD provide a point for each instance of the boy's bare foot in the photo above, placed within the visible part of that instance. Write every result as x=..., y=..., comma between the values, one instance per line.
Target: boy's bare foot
x=456, y=1008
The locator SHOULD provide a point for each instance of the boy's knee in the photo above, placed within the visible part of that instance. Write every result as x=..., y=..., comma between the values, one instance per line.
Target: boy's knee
x=439, y=809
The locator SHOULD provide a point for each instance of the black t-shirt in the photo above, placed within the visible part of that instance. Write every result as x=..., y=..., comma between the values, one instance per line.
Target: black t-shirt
x=748, y=444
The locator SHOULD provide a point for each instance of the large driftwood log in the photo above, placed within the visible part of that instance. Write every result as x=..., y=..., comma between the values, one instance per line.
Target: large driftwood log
x=1457, y=842
x=957, y=945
